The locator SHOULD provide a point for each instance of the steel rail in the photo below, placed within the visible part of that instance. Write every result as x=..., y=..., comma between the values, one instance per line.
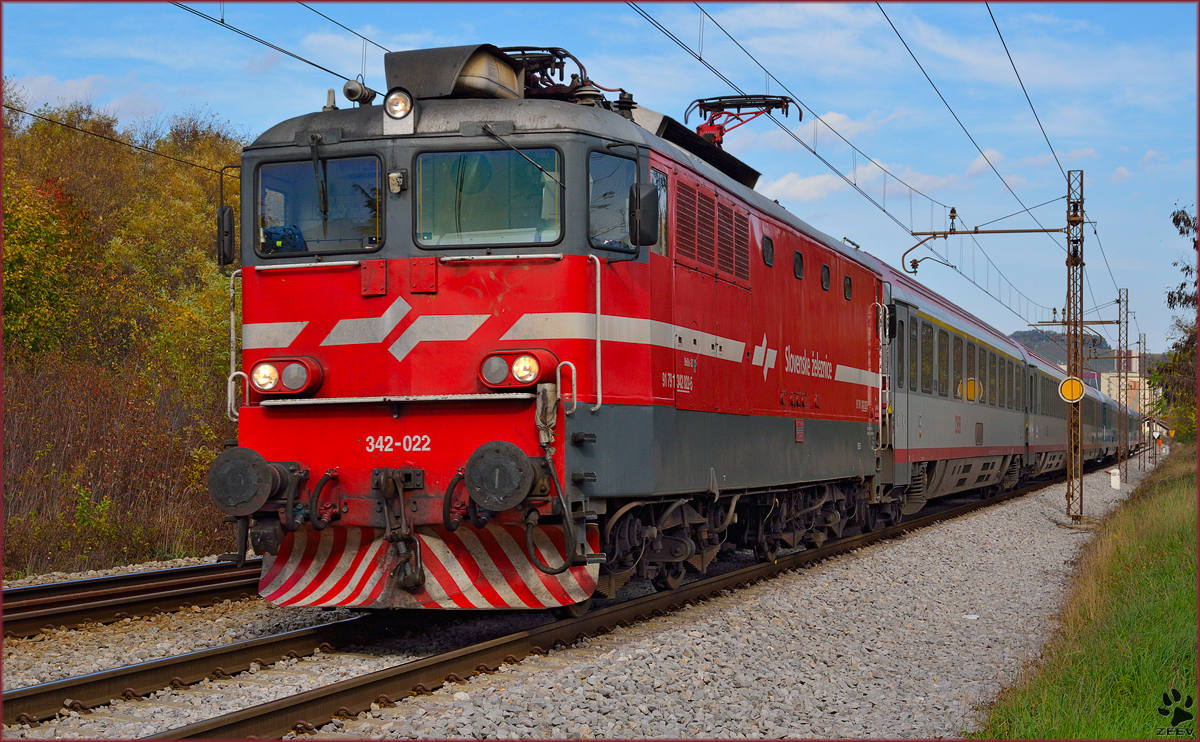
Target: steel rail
x=309, y=710
x=38, y=702
x=27, y=610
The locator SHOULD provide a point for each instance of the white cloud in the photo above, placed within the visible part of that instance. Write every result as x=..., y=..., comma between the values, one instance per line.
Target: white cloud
x=981, y=164
x=1120, y=175
x=1080, y=154
x=1036, y=161
x=1151, y=156
x=793, y=187
x=49, y=89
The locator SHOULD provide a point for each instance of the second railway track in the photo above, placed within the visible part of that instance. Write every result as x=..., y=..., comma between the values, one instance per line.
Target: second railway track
x=27, y=610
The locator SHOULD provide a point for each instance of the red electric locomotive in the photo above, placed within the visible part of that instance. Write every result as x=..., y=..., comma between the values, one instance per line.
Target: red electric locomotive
x=508, y=344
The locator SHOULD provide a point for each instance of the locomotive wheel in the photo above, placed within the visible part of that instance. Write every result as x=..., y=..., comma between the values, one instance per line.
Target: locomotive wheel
x=766, y=551
x=574, y=611
x=669, y=577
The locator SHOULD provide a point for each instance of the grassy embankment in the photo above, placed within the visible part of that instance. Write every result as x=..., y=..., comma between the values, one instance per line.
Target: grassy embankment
x=1128, y=631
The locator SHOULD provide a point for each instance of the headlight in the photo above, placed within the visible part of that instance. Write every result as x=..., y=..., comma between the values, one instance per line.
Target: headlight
x=525, y=369
x=265, y=376
x=495, y=370
x=397, y=104
x=295, y=376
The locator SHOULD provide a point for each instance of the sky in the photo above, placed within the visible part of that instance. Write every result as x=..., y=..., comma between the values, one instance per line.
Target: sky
x=1113, y=84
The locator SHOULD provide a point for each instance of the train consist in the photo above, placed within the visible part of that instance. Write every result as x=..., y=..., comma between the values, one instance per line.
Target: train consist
x=509, y=344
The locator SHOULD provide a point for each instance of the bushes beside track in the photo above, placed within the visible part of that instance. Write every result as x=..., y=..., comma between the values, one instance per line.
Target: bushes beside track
x=1128, y=631
x=115, y=337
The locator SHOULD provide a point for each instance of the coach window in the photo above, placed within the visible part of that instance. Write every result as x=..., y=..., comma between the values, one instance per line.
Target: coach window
x=825, y=277
x=992, y=379
x=912, y=356
x=339, y=210
x=1000, y=398
x=972, y=378
x=768, y=251
x=926, y=357
x=943, y=353
x=847, y=287
x=798, y=264
x=957, y=363
x=659, y=179
x=900, y=355
x=1009, y=385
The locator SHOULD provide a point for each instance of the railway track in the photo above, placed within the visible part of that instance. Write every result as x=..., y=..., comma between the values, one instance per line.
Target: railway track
x=27, y=610
x=305, y=712
x=314, y=708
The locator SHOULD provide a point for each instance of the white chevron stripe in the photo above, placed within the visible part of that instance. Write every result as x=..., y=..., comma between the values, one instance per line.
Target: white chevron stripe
x=368, y=329
x=299, y=538
x=436, y=327
x=270, y=334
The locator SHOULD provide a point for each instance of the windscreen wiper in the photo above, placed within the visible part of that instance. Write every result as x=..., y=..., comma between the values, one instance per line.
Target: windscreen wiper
x=322, y=196
x=487, y=128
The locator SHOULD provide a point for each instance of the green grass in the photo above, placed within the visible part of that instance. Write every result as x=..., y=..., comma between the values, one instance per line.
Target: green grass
x=1128, y=631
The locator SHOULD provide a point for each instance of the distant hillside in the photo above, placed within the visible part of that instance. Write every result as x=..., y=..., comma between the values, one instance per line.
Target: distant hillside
x=1052, y=345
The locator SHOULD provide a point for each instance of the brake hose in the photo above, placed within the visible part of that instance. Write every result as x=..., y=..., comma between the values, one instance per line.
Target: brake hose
x=568, y=529
x=451, y=524
x=314, y=499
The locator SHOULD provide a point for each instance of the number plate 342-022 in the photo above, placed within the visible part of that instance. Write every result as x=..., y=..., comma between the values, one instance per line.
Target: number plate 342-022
x=387, y=443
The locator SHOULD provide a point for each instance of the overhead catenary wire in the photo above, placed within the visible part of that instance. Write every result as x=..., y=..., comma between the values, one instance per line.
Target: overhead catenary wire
x=252, y=37
x=1022, y=82
x=115, y=140
x=771, y=76
x=963, y=127
x=351, y=30
x=666, y=32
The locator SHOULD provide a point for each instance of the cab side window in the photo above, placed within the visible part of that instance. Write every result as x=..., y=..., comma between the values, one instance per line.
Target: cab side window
x=659, y=179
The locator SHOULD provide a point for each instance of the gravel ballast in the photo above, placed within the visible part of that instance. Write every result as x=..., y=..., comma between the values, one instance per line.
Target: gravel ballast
x=905, y=638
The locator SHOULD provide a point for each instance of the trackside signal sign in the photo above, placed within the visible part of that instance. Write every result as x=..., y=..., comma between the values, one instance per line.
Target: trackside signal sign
x=1071, y=389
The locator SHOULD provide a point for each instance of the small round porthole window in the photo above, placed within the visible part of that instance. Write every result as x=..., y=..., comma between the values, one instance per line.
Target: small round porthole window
x=768, y=249
x=846, y=286
x=825, y=277
x=798, y=264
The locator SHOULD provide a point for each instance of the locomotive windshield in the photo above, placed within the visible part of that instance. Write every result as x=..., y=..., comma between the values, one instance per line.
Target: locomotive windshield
x=333, y=209
x=488, y=198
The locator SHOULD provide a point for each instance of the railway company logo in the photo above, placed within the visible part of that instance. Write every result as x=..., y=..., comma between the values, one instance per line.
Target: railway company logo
x=764, y=356
x=1178, y=712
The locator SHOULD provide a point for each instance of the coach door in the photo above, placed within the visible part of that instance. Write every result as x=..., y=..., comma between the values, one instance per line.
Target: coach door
x=900, y=388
